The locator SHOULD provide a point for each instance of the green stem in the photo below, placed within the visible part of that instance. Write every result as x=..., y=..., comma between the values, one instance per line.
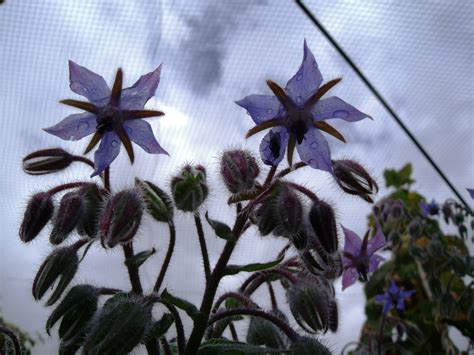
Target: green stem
x=133, y=274
x=382, y=323
x=63, y=187
x=168, y=256
x=233, y=332
x=202, y=243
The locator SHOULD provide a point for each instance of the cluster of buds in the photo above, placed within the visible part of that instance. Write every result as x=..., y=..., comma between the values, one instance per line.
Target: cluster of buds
x=189, y=188
x=239, y=169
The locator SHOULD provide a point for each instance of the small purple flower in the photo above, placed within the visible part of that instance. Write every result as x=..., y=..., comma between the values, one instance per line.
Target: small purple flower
x=359, y=256
x=471, y=192
x=113, y=116
x=296, y=115
x=429, y=209
x=394, y=297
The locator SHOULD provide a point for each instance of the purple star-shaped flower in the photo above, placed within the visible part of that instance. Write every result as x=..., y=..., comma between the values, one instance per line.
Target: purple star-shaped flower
x=359, y=256
x=113, y=116
x=429, y=209
x=296, y=115
x=394, y=297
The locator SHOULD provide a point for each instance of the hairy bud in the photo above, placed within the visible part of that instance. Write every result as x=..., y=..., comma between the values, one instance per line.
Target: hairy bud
x=288, y=212
x=93, y=197
x=158, y=203
x=311, y=302
x=119, y=326
x=189, y=188
x=121, y=217
x=263, y=332
x=61, y=264
x=46, y=161
x=38, y=212
x=323, y=221
x=239, y=170
x=67, y=216
x=353, y=179
x=415, y=228
x=309, y=346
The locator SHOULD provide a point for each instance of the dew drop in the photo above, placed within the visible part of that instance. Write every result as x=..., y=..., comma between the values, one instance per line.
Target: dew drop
x=298, y=100
x=270, y=111
x=248, y=113
x=341, y=114
x=315, y=65
x=83, y=126
x=314, y=145
x=114, y=144
x=299, y=77
x=129, y=130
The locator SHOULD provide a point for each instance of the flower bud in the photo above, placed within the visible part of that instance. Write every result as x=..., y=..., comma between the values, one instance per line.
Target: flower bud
x=159, y=204
x=93, y=198
x=310, y=301
x=38, y=212
x=448, y=213
x=119, y=326
x=61, y=264
x=67, y=216
x=323, y=221
x=396, y=210
x=414, y=228
x=353, y=179
x=263, y=332
x=46, y=161
x=265, y=217
x=308, y=346
x=288, y=212
x=239, y=170
x=190, y=189
x=121, y=217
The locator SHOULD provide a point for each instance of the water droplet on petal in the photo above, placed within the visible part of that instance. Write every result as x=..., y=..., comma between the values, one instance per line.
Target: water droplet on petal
x=314, y=145
x=129, y=130
x=341, y=114
x=298, y=99
x=248, y=113
x=270, y=111
x=299, y=77
x=315, y=65
x=114, y=144
x=83, y=126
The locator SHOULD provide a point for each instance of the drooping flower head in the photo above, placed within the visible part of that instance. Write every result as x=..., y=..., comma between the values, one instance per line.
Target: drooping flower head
x=359, y=256
x=394, y=297
x=296, y=115
x=429, y=209
x=113, y=116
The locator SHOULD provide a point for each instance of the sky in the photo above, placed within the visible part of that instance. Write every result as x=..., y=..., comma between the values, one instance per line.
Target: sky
x=418, y=54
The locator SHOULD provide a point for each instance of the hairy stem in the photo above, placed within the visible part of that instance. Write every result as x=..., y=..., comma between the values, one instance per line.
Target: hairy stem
x=168, y=256
x=202, y=243
x=71, y=185
x=382, y=324
x=273, y=299
x=233, y=332
x=133, y=274
x=292, y=335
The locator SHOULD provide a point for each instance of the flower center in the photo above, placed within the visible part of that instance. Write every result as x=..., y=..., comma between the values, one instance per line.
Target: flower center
x=298, y=122
x=108, y=118
x=363, y=266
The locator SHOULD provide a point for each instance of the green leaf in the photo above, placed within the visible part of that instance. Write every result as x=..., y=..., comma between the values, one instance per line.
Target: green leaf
x=138, y=259
x=235, y=269
x=186, y=306
x=222, y=230
x=228, y=347
x=398, y=178
x=160, y=327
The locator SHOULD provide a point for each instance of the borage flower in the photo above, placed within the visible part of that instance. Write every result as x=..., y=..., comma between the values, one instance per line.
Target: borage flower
x=471, y=192
x=394, y=297
x=429, y=209
x=359, y=256
x=113, y=116
x=296, y=114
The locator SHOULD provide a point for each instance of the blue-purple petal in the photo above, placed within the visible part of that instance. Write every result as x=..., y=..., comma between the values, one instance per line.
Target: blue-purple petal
x=140, y=132
x=352, y=242
x=136, y=96
x=387, y=306
x=74, y=127
x=314, y=150
x=88, y=84
x=376, y=242
x=393, y=289
x=273, y=146
x=471, y=192
x=374, y=261
x=334, y=107
x=349, y=277
x=382, y=298
x=307, y=79
x=108, y=150
x=261, y=107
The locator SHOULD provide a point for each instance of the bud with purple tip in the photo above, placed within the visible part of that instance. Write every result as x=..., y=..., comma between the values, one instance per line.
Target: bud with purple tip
x=239, y=170
x=353, y=179
x=69, y=212
x=189, y=188
x=38, y=212
x=46, y=161
x=121, y=217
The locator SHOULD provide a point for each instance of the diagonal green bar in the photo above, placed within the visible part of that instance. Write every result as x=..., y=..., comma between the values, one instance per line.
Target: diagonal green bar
x=382, y=100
